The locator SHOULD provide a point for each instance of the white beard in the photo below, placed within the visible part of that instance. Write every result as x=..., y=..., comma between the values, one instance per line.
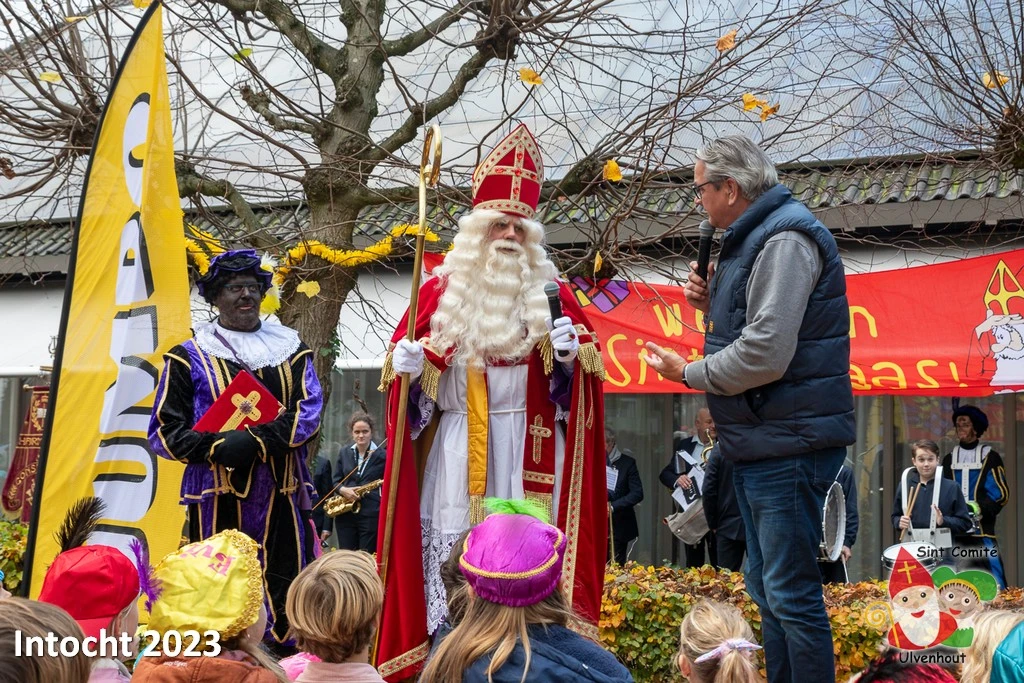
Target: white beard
x=493, y=312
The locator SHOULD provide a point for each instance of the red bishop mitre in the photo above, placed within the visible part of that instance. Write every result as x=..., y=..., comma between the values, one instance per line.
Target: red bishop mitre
x=509, y=178
x=907, y=572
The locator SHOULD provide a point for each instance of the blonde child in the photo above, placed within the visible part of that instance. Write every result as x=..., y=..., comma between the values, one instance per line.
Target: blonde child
x=21, y=619
x=333, y=610
x=990, y=628
x=213, y=587
x=515, y=626
x=716, y=645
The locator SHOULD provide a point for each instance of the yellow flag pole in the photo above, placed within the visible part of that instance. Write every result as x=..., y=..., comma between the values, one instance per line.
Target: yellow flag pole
x=430, y=173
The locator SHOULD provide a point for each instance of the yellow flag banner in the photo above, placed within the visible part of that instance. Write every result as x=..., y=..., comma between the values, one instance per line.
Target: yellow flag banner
x=126, y=302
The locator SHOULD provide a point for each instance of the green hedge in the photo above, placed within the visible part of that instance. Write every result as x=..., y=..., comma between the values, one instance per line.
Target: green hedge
x=13, y=539
x=643, y=607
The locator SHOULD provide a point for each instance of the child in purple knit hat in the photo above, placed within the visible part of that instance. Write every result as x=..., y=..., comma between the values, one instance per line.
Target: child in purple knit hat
x=517, y=623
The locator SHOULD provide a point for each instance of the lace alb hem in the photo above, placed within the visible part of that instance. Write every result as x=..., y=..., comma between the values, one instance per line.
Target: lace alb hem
x=269, y=346
x=437, y=546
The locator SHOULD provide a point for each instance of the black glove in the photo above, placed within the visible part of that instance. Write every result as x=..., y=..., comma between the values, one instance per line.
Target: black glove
x=237, y=450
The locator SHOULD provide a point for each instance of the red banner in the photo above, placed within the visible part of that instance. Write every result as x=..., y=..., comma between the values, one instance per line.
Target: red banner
x=952, y=329
x=21, y=477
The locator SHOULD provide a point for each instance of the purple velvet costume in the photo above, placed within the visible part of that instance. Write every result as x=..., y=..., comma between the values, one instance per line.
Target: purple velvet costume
x=271, y=501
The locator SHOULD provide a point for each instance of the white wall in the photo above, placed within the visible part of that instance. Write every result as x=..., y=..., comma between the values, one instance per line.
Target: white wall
x=30, y=316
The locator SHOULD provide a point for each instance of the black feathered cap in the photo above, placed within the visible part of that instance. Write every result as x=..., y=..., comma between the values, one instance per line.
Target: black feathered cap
x=225, y=266
x=978, y=418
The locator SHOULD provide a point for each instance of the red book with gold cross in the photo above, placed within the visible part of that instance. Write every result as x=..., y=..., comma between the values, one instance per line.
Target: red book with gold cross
x=245, y=402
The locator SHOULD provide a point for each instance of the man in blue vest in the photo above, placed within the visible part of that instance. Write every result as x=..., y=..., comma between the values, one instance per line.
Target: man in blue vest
x=776, y=374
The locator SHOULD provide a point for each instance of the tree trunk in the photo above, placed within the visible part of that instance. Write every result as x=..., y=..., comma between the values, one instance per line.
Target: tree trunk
x=316, y=318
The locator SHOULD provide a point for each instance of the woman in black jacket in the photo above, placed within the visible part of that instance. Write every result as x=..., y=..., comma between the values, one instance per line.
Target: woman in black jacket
x=363, y=464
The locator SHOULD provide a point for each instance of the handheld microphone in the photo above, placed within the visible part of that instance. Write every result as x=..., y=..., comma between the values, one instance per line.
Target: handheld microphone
x=554, y=307
x=704, y=249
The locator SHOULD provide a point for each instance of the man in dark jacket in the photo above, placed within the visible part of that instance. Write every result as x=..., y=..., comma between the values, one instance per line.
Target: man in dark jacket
x=686, y=456
x=625, y=490
x=835, y=572
x=723, y=512
x=776, y=373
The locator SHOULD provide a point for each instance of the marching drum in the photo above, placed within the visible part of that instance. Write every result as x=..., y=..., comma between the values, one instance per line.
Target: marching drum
x=833, y=524
x=925, y=553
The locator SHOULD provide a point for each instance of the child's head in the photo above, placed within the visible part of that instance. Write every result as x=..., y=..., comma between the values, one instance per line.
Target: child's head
x=225, y=571
x=96, y=584
x=990, y=628
x=215, y=585
x=455, y=582
x=22, y=619
x=888, y=668
x=716, y=645
x=334, y=605
x=925, y=457
x=512, y=564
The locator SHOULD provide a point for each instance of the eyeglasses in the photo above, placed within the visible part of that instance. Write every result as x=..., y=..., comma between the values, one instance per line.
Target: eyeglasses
x=698, y=190
x=255, y=288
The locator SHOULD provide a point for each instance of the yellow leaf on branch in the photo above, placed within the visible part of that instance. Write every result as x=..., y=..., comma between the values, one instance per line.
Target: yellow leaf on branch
x=993, y=80
x=598, y=262
x=611, y=171
x=768, y=111
x=726, y=42
x=752, y=102
x=530, y=77
x=72, y=20
x=242, y=54
x=50, y=77
x=142, y=4
x=271, y=301
x=310, y=288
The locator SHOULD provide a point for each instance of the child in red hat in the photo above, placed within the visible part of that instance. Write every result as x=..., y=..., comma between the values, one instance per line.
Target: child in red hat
x=99, y=587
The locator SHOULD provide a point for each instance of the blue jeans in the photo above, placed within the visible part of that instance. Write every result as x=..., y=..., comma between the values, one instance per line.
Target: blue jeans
x=780, y=500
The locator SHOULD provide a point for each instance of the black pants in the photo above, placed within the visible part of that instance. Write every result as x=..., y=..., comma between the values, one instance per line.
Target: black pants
x=832, y=572
x=730, y=552
x=695, y=553
x=620, y=550
x=357, y=532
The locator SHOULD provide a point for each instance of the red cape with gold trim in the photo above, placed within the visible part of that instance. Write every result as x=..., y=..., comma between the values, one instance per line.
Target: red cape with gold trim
x=583, y=499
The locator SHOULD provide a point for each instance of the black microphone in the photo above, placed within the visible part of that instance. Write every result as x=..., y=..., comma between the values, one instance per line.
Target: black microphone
x=554, y=307
x=704, y=249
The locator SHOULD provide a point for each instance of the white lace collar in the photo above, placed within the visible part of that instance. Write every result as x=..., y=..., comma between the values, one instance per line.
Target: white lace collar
x=268, y=346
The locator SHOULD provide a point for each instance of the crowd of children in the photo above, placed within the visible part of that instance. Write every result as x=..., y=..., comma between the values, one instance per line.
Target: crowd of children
x=509, y=621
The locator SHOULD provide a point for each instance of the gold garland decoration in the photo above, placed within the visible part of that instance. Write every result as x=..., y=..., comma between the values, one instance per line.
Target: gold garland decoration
x=200, y=249
x=205, y=245
x=347, y=258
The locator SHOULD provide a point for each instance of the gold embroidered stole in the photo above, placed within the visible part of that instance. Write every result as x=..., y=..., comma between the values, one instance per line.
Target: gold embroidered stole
x=476, y=415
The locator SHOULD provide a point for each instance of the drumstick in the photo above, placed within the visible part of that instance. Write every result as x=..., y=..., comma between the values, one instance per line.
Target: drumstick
x=910, y=512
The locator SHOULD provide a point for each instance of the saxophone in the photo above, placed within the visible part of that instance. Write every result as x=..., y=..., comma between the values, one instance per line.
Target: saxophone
x=708, y=448
x=337, y=505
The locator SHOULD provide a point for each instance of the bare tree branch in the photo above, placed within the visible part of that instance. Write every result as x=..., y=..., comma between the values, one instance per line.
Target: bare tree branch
x=324, y=57
x=191, y=183
x=400, y=47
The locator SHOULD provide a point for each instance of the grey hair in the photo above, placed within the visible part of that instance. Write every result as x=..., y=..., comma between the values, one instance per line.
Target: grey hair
x=739, y=158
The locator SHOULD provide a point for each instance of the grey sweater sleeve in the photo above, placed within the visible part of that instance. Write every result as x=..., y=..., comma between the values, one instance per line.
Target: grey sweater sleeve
x=781, y=281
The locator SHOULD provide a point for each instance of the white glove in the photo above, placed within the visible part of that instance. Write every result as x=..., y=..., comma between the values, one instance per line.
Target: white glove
x=564, y=339
x=407, y=357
